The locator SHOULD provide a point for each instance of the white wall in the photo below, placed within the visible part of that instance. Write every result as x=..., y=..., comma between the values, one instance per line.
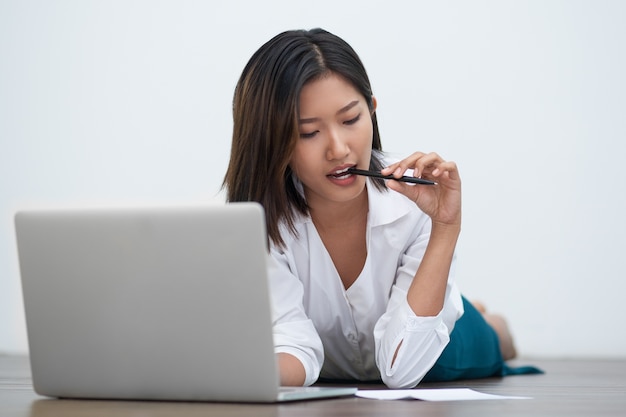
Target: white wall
x=111, y=102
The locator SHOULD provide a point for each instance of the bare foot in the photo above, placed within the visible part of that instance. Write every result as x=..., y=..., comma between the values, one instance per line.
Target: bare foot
x=479, y=306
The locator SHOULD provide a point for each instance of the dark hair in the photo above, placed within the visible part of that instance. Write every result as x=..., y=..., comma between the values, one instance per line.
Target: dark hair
x=265, y=117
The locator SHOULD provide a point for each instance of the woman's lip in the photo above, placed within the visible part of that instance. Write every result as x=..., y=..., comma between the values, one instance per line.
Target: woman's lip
x=341, y=170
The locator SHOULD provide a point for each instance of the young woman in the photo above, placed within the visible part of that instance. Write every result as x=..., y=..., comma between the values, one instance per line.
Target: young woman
x=361, y=269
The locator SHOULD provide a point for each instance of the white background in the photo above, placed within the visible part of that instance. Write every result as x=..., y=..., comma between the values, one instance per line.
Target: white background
x=124, y=102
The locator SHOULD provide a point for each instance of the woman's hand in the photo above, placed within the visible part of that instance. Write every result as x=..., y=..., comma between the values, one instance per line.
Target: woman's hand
x=442, y=202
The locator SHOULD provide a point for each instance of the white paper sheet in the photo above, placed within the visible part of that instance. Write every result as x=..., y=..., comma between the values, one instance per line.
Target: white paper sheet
x=437, y=394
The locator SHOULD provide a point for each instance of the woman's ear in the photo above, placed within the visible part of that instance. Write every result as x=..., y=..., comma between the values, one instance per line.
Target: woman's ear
x=374, y=105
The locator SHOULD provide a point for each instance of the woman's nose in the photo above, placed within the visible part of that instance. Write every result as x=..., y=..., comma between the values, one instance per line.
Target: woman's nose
x=337, y=147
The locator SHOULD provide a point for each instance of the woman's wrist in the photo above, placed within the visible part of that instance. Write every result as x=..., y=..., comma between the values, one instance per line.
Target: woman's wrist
x=445, y=230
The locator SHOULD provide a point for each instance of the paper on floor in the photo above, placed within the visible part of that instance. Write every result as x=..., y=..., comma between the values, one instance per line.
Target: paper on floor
x=437, y=394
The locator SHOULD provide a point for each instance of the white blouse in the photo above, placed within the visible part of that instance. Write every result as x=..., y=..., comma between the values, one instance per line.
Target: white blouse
x=353, y=334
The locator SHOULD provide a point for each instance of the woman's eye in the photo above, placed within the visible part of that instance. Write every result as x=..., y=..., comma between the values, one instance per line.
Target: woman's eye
x=353, y=121
x=309, y=135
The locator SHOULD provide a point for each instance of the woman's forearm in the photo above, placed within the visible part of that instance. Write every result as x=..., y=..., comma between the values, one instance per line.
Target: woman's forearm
x=427, y=291
x=292, y=371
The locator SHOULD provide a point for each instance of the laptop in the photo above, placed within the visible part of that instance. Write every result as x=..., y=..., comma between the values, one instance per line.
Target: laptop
x=161, y=303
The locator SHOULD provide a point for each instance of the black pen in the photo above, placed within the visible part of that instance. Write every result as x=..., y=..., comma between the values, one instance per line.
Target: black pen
x=404, y=178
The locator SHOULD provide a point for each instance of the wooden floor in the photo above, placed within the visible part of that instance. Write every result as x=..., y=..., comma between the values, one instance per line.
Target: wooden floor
x=568, y=388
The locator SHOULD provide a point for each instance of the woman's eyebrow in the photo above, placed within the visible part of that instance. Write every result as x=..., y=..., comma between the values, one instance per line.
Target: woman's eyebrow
x=348, y=106
x=341, y=110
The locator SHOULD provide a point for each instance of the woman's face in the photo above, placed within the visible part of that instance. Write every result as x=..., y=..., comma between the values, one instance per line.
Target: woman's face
x=335, y=127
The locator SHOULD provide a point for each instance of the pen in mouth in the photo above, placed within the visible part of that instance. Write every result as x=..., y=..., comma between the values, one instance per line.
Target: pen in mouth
x=412, y=180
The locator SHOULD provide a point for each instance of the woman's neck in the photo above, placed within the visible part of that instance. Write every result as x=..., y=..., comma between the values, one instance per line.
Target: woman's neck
x=338, y=215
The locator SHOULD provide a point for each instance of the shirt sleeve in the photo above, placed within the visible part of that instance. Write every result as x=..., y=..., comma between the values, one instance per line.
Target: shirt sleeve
x=423, y=338
x=293, y=331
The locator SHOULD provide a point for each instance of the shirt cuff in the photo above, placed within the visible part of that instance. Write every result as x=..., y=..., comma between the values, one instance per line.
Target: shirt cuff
x=415, y=323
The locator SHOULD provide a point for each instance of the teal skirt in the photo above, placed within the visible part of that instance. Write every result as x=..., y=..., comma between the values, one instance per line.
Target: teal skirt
x=473, y=352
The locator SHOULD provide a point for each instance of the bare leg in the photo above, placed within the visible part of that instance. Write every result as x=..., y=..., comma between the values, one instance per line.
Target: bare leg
x=498, y=323
x=507, y=347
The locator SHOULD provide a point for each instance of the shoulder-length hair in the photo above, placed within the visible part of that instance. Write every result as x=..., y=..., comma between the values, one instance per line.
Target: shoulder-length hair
x=265, y=117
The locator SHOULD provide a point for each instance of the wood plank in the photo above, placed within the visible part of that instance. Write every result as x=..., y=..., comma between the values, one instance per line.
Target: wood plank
x=568, y=388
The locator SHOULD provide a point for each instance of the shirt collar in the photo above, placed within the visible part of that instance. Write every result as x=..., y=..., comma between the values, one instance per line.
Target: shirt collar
x=384, y=206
